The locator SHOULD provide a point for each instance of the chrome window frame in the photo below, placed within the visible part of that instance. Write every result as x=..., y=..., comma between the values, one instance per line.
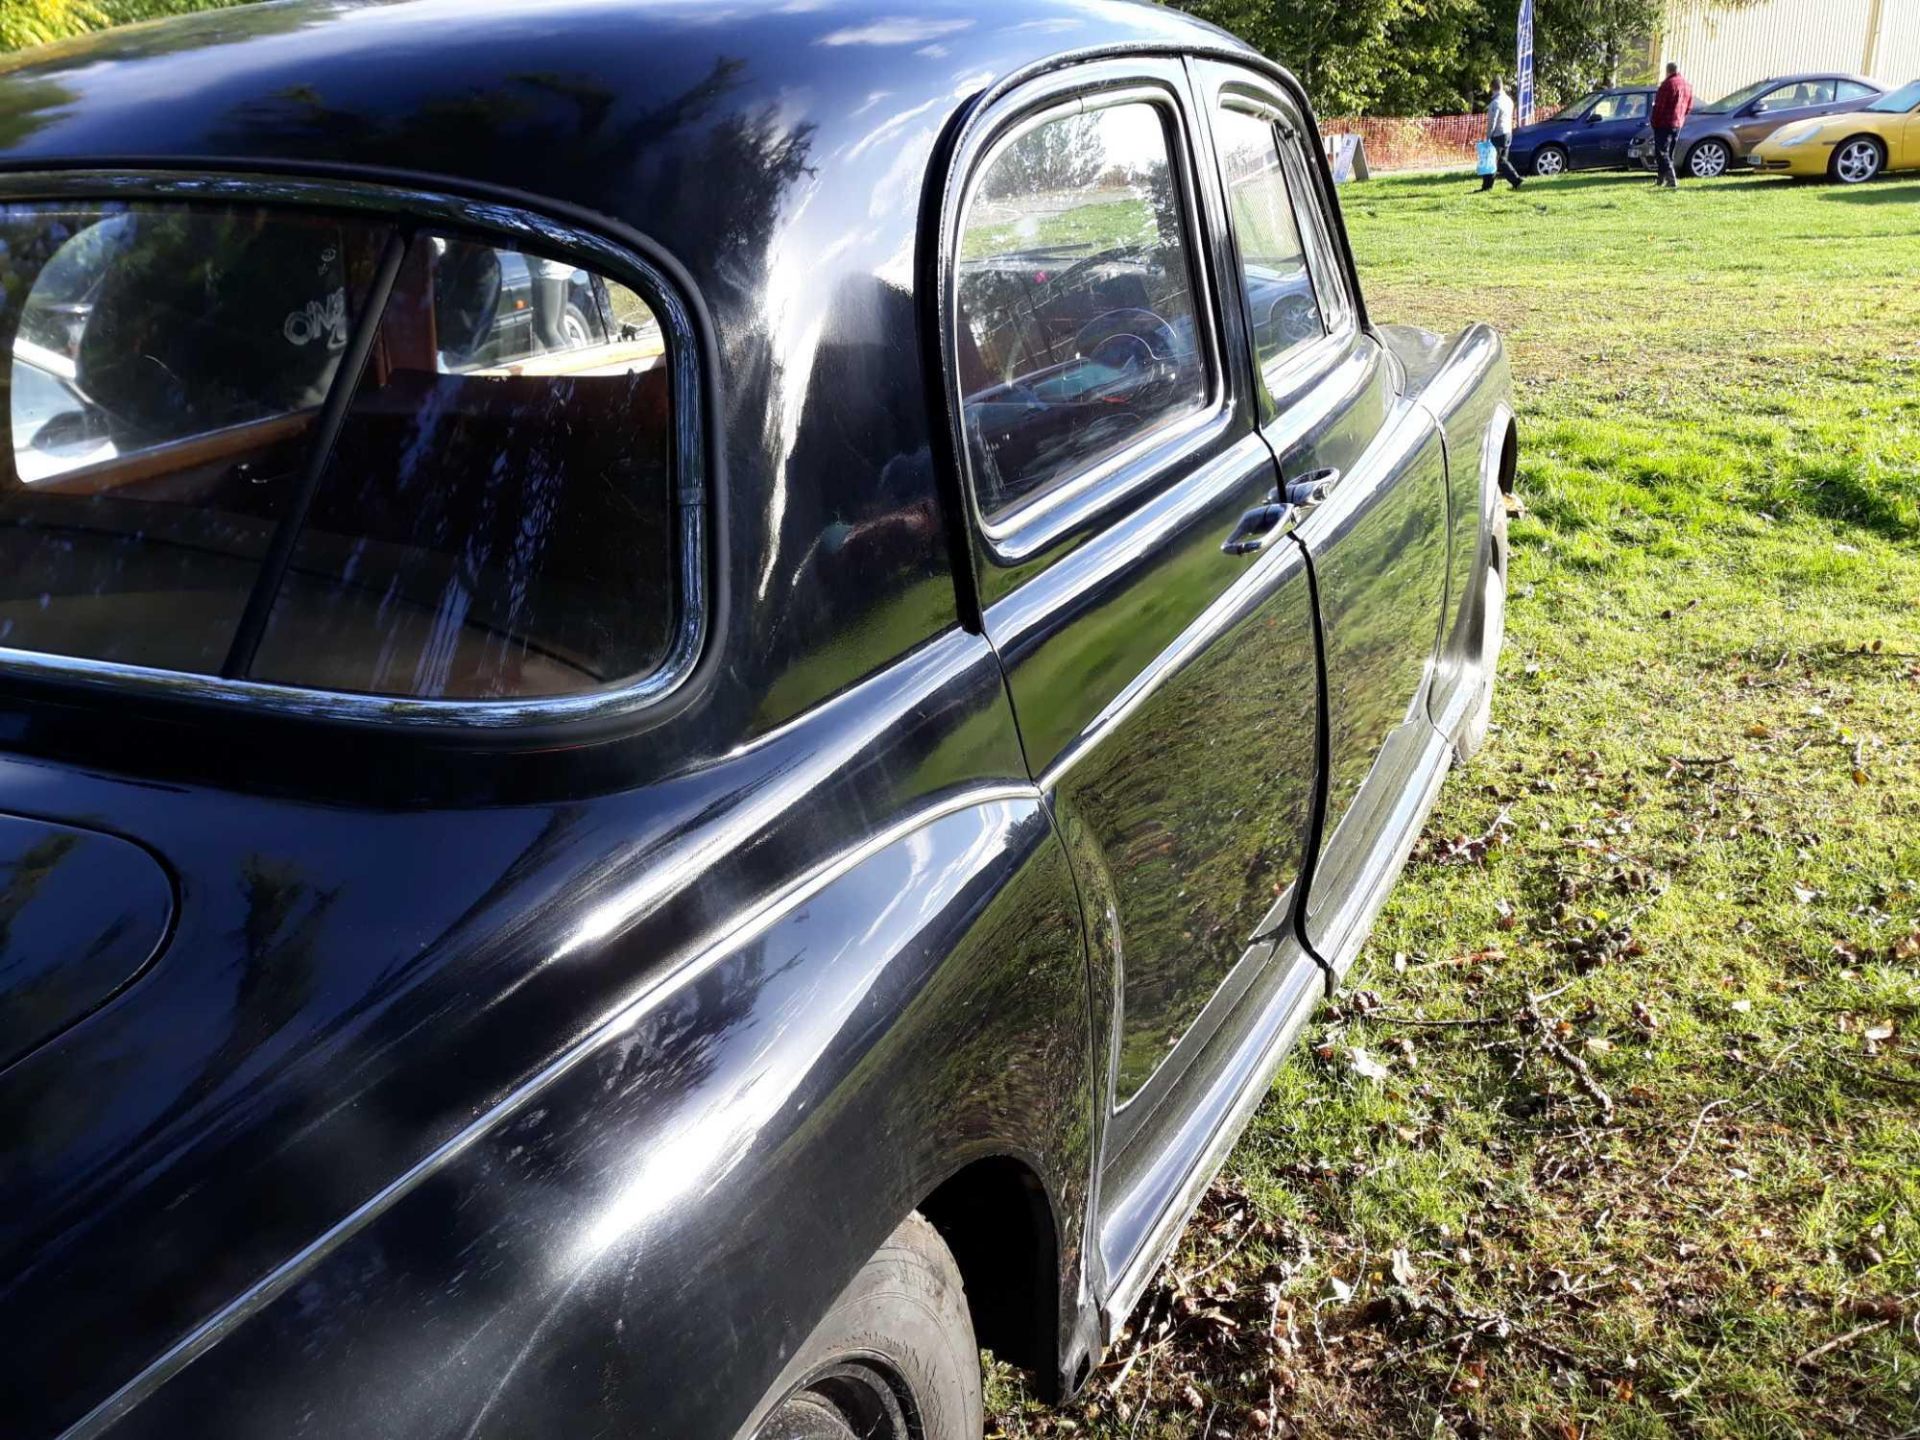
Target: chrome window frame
x=1037, y=521
x=691, y=498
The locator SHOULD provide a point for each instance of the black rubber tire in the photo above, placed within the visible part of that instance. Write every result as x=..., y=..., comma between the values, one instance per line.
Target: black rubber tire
x=1566, y=161
x=904, y=1317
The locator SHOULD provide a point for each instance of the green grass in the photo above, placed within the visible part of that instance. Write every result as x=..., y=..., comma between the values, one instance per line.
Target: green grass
x=1695, y=832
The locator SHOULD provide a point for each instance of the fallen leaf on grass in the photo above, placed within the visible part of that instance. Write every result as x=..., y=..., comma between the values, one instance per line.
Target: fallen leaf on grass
x=1365, y=1066
x=1403, y=1271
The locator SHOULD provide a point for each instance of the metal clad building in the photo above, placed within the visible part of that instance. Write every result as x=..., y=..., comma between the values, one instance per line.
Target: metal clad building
x=1722, y=46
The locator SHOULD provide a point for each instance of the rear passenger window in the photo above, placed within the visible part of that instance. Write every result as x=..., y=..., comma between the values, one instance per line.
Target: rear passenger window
x=493, y=517
x=1076, y=331
x=1273, y=261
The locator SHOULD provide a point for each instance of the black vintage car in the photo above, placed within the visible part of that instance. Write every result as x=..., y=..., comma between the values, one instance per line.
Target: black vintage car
x=672, y=869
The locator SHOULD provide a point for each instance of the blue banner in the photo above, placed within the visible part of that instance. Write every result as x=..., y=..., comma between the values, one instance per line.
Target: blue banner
x=1523, y=66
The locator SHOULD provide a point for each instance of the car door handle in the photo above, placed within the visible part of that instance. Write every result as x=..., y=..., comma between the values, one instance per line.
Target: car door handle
x=1311, y=488
x=1259, y=528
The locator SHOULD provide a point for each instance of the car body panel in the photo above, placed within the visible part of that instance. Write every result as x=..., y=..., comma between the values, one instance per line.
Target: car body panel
x=1589, y=144
x=554, y=1076
x=1746, y=126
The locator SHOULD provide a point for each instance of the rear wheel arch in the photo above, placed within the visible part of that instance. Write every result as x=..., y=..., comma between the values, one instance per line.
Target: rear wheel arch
x=998, y=1219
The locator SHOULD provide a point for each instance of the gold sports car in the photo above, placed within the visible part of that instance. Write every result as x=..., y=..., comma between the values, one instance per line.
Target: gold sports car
x=1853, y=147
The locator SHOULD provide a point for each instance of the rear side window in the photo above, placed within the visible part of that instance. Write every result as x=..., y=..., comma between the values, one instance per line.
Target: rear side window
x=1854, y=90
x=490, y=516
x=1076, y=332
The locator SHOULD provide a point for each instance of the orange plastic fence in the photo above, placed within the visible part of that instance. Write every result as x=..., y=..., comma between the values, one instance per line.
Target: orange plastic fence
x=1417, y=142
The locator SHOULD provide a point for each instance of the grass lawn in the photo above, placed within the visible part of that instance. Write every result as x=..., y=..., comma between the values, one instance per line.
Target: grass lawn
x=1618, y=1131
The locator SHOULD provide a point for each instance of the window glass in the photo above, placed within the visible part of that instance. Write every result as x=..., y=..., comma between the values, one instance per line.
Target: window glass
x=1632, y=107
x=166, y=367
x=1273, y=260
x=1898, y=102
x=1738, y=98
x=496, y=517
x=1076, y=330
x=1800, y=95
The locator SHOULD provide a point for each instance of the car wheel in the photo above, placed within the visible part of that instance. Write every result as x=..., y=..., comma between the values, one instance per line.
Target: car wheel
x=1857, y=160
x=1551, y=160
x=575, y=328
x=1708, y=160
x=894, y=1359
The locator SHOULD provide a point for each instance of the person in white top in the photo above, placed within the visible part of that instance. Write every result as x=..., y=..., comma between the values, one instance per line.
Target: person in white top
x=1500, y=136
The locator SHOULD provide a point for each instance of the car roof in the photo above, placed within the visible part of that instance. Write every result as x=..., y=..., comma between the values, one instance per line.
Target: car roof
x=1804, y=75
x=752, y=141
x=324, y=77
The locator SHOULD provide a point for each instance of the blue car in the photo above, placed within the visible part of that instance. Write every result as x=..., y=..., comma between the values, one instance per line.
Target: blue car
x=1590, y=134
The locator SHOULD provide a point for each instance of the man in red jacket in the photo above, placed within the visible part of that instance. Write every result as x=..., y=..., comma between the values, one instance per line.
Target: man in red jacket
x=1671, y=104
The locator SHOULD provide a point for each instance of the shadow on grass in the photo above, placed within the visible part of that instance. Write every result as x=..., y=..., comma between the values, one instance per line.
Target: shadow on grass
x=1896, y=192
x=1466, y=180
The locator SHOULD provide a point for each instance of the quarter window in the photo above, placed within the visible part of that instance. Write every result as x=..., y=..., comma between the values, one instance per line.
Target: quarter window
x=1273, y=261
x=1077, y=333
x=491, y=517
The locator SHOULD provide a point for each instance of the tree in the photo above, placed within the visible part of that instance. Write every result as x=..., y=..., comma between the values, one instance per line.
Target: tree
x=38, y=22
x=1412, y=57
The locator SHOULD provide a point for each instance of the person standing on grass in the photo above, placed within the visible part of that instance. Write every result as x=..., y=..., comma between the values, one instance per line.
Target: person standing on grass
x=1671, y=104
x=1500, y=136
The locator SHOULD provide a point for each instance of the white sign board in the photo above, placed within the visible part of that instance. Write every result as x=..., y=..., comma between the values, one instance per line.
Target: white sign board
x=1347, y=154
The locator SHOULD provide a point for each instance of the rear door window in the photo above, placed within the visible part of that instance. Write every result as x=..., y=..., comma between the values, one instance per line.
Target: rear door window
x=491, y=516
x=1077, y=329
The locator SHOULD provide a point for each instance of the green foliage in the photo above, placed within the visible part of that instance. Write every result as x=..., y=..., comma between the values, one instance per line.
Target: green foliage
x=38, y=22
x=1413, y=57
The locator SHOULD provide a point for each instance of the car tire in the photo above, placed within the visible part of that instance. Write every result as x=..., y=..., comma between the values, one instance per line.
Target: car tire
x=1550, y=160
x=895, y=1357
x=1857, y=160
x=1493, y=633
x=576, y=329
x=1709, y=160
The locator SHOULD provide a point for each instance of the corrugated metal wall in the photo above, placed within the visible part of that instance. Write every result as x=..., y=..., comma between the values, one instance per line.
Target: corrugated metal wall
x=1722, y=47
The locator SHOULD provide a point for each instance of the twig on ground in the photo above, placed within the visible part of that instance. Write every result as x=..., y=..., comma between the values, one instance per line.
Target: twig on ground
x=1875, y=1074
x=1550, y=1043
x=1839, y=1340
x=1692, y=1138
x=1470, y=1023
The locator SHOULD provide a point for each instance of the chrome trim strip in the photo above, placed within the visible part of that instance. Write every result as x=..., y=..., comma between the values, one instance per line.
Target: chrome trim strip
x=1159, y=1243
x=281, y=1278
x=1354, y=922
x=616, y=262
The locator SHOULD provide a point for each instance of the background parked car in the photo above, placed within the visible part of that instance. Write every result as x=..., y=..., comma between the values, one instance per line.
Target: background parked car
x=1719, y=136
x=1591, y=134
x=1850, y=148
